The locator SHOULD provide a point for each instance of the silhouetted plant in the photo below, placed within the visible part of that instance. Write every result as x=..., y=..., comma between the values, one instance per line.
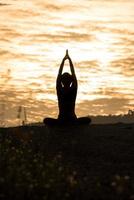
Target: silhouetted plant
x=22, y=115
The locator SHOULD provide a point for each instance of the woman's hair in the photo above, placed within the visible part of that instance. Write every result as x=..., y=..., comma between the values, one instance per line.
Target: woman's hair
x=66, y=79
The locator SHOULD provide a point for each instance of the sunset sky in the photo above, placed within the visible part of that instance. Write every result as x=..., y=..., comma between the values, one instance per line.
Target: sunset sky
x=34, y=36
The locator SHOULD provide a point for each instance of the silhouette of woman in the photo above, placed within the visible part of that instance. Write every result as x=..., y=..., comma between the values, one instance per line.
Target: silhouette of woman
x=66, y=86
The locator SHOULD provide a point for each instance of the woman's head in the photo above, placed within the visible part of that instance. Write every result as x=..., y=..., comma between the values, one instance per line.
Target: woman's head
x=66, y=79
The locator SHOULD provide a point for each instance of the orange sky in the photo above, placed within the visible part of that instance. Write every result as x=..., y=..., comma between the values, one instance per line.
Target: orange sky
x=99, y=35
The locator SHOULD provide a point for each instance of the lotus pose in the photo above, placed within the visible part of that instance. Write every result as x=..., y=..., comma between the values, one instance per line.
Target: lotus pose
x=66, y=91
x=66, y=86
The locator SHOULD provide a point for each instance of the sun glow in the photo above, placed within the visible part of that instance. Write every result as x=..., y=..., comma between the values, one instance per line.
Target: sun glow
x=102, y=49
x=34, y=38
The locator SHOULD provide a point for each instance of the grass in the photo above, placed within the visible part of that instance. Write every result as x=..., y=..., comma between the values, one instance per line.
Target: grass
x=46, y=165
x=25, y=173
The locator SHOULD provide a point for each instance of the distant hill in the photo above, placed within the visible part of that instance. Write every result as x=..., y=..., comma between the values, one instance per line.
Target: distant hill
x=112, y=119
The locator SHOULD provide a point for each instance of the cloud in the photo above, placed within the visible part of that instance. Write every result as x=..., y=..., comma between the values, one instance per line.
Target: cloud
x=4, y=4
x=92, y=64
x=9, y=32
x=126, y=66
x=62, y=37
x=59, y=6
x=7, y=54
x=53, y=7
x=109, y=92
x=103, y=106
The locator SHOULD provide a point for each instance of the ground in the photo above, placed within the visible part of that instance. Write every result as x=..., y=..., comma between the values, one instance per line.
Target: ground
x=79, y=162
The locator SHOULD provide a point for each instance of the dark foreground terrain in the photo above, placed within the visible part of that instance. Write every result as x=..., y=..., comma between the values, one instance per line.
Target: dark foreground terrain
x=73, y=162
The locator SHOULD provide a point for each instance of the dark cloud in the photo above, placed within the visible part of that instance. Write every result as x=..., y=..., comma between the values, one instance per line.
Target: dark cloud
x=109, y=91
x=99, y=26
x=126, y=66
x=4, y=4
x=59, y=6
x=7, y=33
x=36, y=109
x=127, y=41
x=114, y=30
x=5, y=53
x=24, y=13
x=62, y=37
x=103, y=106
x=53, y=7
x=89, y=64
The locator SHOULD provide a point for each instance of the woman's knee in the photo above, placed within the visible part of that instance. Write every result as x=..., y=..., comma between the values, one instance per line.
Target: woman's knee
x=84, y=120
